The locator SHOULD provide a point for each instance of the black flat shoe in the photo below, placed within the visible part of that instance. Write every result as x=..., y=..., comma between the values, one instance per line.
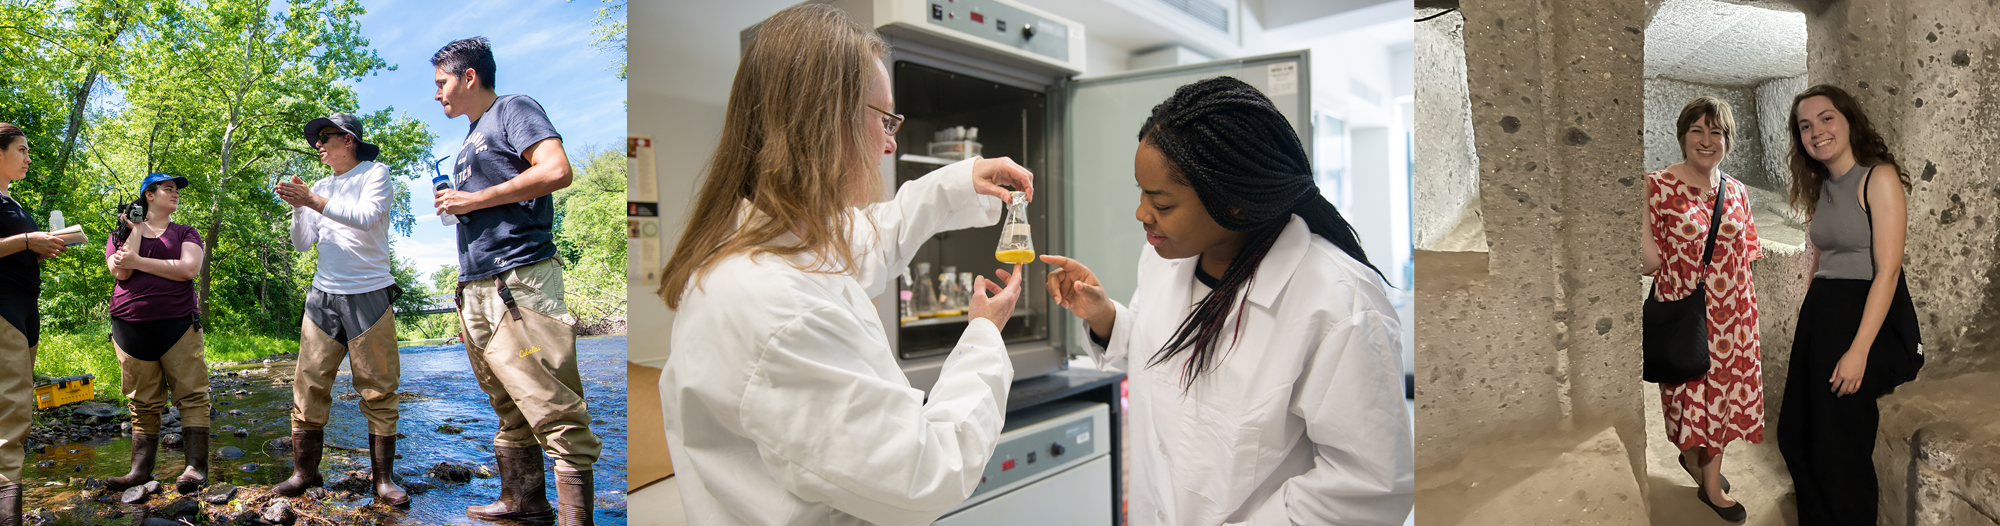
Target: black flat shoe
x=1732, y=514
x=1697, y=476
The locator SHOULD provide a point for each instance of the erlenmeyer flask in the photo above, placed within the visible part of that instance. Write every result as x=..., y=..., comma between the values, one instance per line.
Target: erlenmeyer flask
x=906, y=313
x=1015, y=245
x=948, y=293
x=925, y=303
x=965, y=291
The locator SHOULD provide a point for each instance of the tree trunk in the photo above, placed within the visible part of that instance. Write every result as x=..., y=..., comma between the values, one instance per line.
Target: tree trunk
x=214, y=236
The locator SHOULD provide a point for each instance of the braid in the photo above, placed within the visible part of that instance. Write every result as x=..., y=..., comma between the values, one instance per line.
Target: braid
x=1227, y=141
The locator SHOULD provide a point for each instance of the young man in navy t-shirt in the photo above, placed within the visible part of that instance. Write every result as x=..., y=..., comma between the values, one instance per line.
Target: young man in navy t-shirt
x=510, y=288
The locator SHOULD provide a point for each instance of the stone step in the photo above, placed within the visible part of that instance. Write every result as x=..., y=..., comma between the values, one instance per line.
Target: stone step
x=1937, y=452
x=1571, y=478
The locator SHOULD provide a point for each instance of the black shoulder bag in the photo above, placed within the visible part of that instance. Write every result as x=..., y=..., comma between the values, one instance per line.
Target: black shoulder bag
x=1676, y=332
x=1899, y=327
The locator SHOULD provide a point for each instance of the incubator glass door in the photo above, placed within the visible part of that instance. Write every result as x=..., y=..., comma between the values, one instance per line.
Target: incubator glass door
x=951, y=116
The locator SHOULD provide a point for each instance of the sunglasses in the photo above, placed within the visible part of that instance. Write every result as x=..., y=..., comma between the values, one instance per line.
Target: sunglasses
x=323, y=136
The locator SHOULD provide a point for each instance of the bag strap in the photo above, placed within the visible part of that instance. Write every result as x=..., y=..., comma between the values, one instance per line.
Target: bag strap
x=1714, y=220
x=1869, y=212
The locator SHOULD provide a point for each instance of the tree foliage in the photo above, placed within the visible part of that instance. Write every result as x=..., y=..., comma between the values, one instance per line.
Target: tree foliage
x=590, y=237
x=213, y=90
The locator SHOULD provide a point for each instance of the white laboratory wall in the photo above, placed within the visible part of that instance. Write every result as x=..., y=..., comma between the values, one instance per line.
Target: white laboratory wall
x=680, y=69
x=1363, y=77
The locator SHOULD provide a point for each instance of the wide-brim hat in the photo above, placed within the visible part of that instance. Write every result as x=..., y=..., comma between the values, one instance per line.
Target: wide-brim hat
x=347, y=123
x=155, y=177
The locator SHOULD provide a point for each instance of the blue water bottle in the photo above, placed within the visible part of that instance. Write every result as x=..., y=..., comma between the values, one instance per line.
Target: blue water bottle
x=441, y=182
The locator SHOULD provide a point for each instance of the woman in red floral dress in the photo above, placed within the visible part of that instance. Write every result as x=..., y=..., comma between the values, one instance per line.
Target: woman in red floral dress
x=1727, y=403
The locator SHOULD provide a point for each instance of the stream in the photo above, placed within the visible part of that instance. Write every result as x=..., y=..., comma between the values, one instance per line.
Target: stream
x=445, y=421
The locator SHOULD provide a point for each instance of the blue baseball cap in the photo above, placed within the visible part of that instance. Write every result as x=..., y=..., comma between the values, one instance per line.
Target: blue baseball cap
x=155, y=177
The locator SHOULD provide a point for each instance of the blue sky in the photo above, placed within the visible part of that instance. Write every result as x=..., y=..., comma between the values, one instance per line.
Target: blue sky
x=542, y=49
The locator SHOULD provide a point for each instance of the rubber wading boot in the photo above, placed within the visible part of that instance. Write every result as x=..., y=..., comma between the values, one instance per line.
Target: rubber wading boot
x=10, y=505
x=574, y=490
x=382, y=455
x=306, y=446
x=523, y=493
x=196, y=474
x=145, y=449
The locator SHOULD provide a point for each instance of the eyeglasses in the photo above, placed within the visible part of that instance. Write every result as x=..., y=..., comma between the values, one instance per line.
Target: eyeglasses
x=323, y=136
x=890, y=121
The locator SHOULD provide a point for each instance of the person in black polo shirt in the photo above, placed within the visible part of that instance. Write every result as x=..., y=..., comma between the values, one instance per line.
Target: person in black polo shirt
x=23, y=246
x=510, y=289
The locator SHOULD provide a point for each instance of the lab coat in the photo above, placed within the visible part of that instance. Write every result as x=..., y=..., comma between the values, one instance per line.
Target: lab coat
x=784, y=402
x=1301, y=420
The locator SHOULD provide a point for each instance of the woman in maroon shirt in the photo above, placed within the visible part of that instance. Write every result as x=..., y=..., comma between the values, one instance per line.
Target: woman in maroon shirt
x=156, y=330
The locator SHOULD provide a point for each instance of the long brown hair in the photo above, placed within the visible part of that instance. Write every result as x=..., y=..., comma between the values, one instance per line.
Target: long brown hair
x=1808, y=174
x=795, y=144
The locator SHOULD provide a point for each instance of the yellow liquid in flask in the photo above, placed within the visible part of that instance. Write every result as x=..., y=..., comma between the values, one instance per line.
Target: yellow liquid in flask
x=1015, y=256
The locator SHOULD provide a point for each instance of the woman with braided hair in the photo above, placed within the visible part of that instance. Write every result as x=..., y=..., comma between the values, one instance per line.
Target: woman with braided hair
x=1268, y=389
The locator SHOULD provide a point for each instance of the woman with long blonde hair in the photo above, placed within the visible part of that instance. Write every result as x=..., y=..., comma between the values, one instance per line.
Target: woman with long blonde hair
x=784, y=402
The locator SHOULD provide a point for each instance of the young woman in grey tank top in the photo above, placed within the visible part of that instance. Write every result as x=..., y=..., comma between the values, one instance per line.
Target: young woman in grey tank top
x=1826, y=427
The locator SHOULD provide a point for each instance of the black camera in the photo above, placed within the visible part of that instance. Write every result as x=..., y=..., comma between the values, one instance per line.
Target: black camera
x=133, y=212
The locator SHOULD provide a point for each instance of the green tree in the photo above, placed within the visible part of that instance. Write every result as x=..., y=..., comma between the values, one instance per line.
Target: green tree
x=213, y=90
x=590, y=236
x=609, y=26
x=444, y=280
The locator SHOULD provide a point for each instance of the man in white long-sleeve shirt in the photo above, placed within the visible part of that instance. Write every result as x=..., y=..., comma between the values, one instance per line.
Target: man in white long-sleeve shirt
x=347, y=310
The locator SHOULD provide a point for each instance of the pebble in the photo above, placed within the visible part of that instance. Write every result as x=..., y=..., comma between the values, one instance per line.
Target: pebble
x=133, y=495
x=219, y=494
x=229, y=452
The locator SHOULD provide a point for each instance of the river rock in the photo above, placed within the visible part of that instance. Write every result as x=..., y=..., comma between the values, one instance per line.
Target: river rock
x=96, y=409
x=236, y=412
x=46, y=464
x=171, y=440
x=253, y=466
x=219, y=494
x=316, y=493
x=450, y=471
x=133, y=495
x=178, y=508
x=241, y=433
x=279, y=512
x=156, y=521
x=352, y=483
x=152, y=486
x=450, y=429
x=229, y=452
